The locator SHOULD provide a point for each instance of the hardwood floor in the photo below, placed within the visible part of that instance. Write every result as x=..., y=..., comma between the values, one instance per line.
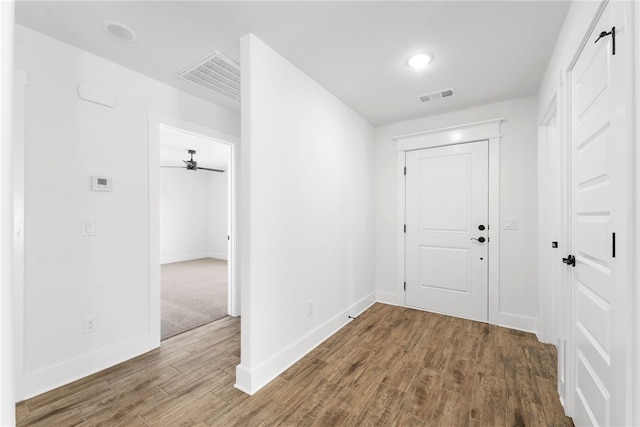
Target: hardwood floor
x=390, y=367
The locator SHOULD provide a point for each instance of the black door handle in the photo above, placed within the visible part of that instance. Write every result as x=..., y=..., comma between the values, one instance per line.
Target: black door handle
x=570, y=260
x=479, y=239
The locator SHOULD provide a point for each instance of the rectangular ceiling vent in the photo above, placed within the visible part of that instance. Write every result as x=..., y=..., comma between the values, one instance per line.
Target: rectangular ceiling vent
x=215, y=72
x=436, y=95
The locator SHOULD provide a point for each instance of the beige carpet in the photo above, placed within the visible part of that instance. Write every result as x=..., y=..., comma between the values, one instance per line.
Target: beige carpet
x=194, y=293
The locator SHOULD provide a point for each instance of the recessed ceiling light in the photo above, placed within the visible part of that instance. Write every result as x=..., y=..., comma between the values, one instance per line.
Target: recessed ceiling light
x=419, y=60
x=119, y=31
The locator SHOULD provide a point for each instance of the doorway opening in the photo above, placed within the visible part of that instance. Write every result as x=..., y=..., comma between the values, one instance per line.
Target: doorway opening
x=194, y=230
x=192, y=239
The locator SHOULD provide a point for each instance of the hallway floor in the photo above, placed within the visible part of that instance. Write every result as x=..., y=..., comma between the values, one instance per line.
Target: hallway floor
x=390, y=366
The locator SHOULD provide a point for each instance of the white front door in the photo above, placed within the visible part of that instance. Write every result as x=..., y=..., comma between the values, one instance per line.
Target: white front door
x=600, y=148
x=447, y=229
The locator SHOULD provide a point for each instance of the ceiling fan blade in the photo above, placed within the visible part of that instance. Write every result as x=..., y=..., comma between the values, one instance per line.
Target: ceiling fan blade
x=209, y=169
x=181, y=167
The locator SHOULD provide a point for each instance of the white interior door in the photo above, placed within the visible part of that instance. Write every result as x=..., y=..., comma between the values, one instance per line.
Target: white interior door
x=446, y=229
x=600, y=342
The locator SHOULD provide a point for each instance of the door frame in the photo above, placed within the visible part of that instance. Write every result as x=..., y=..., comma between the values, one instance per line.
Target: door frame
x=636, y=111
x=553, y=130
x=156, y=120
x=488, y=130
x=17, y=272
x=549, y=223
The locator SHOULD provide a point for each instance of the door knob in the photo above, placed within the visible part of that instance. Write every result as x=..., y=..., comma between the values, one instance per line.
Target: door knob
x=570, y=260
x=481, y=227
x=479, y=239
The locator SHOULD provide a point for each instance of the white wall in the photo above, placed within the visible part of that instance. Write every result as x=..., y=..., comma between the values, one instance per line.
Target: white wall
x=7, y=390
x=218, y=197
x=518, y=193
x=69, y=277
x=193, y=215
x=307, y=214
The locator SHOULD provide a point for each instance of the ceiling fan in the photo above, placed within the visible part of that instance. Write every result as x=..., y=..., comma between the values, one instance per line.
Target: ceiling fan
x=192, y=165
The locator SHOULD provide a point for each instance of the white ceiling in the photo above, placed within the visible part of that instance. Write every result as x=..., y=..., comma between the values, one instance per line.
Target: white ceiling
x=486, y=51
x=174, y=146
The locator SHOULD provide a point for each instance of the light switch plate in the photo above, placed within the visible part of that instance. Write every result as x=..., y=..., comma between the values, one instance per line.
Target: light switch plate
x=511, y=223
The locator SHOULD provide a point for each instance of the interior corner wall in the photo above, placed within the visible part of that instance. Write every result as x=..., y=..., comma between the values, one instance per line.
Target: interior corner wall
x=193, y=215
x=69, y=277
x=518, y=275
x=307, y=214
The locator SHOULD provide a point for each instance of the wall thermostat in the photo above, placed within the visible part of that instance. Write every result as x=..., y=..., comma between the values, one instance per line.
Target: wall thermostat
x=101, y=183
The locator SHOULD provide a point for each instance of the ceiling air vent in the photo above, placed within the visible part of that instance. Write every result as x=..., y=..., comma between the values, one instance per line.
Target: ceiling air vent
x=444, y=93
x=215, y=72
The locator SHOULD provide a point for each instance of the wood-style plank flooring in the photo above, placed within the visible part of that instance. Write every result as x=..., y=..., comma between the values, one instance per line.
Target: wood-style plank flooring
x=390, y=367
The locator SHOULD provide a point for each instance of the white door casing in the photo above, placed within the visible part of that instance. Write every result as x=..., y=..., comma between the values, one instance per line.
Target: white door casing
x=447, y=220
x=601, y=332
x=554, y=307
x=549, y=223
x=18, y=147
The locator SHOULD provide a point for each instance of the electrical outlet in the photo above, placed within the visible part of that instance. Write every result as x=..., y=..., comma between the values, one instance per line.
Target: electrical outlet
x=310, y=307
x=90, y=324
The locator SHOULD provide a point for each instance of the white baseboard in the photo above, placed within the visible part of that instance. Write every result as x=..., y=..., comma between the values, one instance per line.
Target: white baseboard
x=218, y=255
x=543, y=338
x=251, y=380
x=191, y=257
x=507, y=320
x=388, y=298
x=243, y=380
x=516, y=321
x=52, y=377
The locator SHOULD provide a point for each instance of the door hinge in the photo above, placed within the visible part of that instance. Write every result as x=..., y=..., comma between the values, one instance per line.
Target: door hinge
x=405, y=228
x=405, y=171
x=613, y=245
x=405, y=286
